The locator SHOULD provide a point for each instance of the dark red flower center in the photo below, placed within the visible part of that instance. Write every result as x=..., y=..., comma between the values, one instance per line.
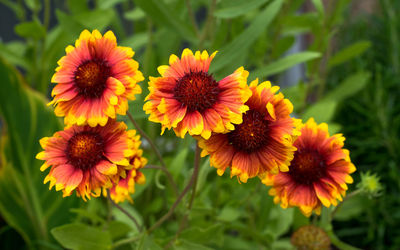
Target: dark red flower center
x=307, y=166
x=251, y=134
x=91, y=78
x=197, y=90
x=85, y=150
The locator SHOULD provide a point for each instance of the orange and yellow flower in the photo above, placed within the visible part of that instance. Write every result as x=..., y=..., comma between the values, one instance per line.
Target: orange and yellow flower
x=188, y=99
x=87, y=159
x=122, y=190
x=95, y=80
x=317, y=174
x=262, y=142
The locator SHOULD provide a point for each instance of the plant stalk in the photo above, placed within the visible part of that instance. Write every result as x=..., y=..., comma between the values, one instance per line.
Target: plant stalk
x=125, y=212
x=157, y=152
x=178, y=200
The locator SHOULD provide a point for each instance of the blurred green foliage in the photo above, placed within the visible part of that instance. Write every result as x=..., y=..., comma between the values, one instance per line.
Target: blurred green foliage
x=351, y=71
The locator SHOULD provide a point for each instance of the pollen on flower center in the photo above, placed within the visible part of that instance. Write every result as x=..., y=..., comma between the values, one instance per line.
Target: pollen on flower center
x=91, y=77
x=197, y=90
x=85, y=150
x=251, y=134
x=307, y=166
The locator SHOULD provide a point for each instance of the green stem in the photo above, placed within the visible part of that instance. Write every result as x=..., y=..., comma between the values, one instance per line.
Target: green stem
x=178, y=200
x=196, y=166
x=183, y=223
x=208, y=23
x=126, y=241
x=340, y=244
x=163, y=166
x=148, y=139
x=125, y=212
x=46, y=17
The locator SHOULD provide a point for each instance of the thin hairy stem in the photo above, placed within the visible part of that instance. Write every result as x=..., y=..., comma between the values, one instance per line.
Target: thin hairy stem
x=125, y=212
x=178, y=200
x=157, y=152
x=183, y=223
x=196, y=165
x=150, y=141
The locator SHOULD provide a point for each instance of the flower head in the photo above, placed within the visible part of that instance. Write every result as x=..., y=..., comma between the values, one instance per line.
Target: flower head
x=95, y=80
x=86, y=159
x=370, y=184
x=188, y=99
x=261, y=143
x=317, y=174
x=311, y=238
x=122, y=190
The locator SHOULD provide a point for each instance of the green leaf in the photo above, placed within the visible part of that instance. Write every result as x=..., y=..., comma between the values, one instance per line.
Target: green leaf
x=178, y=163
x=241, y=43
x=68, y=23
x=350, y=86
x=282, y=244
x=25, y=203
x=11, y=210
x=296, y=94
x=240, y=8
x=321, y=111
x=299, y=219
x=31, y=29
x=16, y=7
x=120, y=216
x=33, y=4
x=324, y=110
x=96, y=19
x=205, y=169
x=89, y=215
x=334, y=128
x=77, y=6
x=283, y=45
x=229, y=214
x=80, y=236
x=285, y=63
x=279, y=221
x=163, y=15
x=147, y=242
x=185, y=244
x=135, y=14
x=305, y=21
x=352, y=207
x=14, y=52
x=203, y=235
x=118, y=229
x=106, y=4
x=319, y=5
x=349, y=52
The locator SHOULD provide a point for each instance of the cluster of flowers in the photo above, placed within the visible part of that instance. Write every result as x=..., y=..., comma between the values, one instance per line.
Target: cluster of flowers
x=246, y=128
x=94, y=152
